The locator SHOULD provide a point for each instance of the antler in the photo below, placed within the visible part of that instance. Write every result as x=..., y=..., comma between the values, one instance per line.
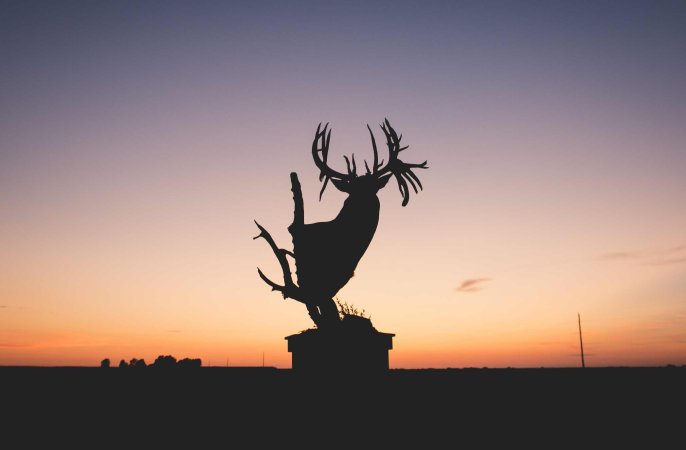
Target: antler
x=376, y=165
x=402, y=170
x=326, y=172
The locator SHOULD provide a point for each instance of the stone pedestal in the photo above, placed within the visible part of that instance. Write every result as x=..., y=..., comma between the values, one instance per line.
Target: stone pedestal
x=353, y=346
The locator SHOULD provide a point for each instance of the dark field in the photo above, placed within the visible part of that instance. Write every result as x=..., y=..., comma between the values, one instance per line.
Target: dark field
x=643, y=406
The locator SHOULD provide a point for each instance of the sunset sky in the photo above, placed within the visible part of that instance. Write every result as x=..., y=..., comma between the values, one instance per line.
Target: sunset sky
x=139, y=140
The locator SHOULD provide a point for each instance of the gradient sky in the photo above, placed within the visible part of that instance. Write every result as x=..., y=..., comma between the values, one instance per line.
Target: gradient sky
x=139, y=140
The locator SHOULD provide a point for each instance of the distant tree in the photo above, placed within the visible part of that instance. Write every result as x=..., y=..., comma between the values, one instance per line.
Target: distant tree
x=105, y=363
x=165, y=362
x=140, y=363
x=162, y=361
x=190, y=363
x=137, y=363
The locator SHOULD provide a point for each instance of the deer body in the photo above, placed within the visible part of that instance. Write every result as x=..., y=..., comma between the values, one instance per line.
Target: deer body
x=347, y=236
x=327, y=253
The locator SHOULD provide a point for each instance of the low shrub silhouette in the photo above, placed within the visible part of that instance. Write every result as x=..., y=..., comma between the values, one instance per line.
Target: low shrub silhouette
x=161, y=362
x=344, y=309
x=137, y=363
x=164, y=362
x=190, y=363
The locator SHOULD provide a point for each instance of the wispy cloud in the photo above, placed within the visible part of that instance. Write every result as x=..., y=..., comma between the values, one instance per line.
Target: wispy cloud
x=8, y=345
x=3, y=306
x=472, y=285
x=654, y=257
x=58, y=341
x=613, y=256
x=664, y=328
x=666, y=261
x=173, y=331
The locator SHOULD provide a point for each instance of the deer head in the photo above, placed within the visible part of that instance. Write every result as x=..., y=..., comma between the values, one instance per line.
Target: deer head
x=374, y=178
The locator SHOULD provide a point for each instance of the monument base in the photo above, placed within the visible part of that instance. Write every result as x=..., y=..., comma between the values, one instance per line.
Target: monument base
x=353, y=346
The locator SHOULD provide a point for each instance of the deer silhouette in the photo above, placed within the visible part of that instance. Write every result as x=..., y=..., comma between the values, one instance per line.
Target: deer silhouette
x=327, y=253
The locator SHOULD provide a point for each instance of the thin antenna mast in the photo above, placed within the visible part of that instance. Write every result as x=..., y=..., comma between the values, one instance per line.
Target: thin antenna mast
x=581, y=343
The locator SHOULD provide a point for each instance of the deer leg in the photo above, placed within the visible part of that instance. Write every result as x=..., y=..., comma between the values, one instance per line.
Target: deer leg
x=324, y=314
x=329, y=312
x=289, y=289
x=315, y=315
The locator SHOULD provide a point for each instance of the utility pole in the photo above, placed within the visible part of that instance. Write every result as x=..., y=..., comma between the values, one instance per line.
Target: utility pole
x=581, y=343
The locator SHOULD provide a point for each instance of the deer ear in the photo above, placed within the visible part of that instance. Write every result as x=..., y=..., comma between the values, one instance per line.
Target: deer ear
x=340, y=185
x=381, y=183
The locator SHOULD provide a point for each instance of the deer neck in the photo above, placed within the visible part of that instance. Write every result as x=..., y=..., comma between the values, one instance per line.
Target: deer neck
x=360, y=210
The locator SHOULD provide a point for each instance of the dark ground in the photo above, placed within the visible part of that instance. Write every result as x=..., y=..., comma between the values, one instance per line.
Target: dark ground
x=643, y=407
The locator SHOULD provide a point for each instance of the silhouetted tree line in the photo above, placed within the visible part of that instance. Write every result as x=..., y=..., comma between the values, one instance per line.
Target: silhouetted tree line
x=162, y=362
